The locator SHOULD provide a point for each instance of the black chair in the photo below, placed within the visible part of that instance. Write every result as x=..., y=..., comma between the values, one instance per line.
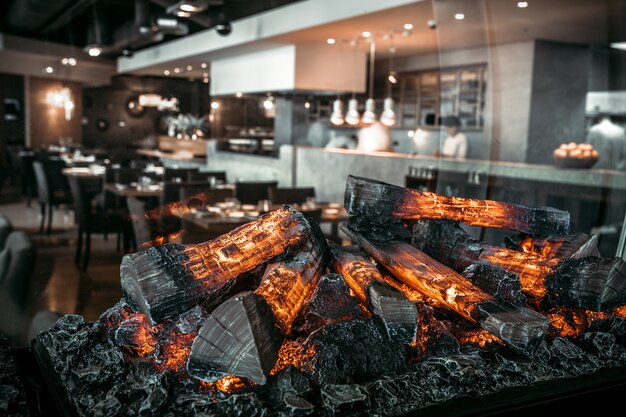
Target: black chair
x=52, y=188
x=220, y=176
x=29, y=183
x=145, y=230
x=90, y=220
x=18, y=261
x=170, y=174
x=251, y=192
x=6, y=227
x=294, y=195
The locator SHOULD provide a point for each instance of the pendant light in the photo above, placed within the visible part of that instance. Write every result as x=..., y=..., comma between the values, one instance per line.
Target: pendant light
x=352, y=116
x=388, y=116
x=336, y=116
x=369, y=116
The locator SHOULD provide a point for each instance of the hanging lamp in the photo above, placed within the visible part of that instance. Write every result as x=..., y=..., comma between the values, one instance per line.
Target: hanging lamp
x=336, y=116
x=388, y=116
x=369, y=115
x=352, y=116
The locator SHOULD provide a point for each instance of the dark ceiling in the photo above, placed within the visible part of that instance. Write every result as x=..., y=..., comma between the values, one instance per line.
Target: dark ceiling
x=122, y=26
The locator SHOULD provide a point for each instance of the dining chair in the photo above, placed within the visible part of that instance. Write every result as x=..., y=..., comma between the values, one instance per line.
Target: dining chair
x=145, y=230
x=6, y=227
x=251, y=192
x=203, y=195
x=52, y=189
x=91, y=220
x=293, y=195
x=28, y=180
x=170, y=174
x=206, y=176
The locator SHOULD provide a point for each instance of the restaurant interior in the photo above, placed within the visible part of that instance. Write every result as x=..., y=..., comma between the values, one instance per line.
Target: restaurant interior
x=130, y=128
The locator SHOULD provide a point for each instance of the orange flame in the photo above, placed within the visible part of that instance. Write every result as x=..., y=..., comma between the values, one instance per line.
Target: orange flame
x=532, y=269
x=478, y=336
x=230, y=384
x=292, y=353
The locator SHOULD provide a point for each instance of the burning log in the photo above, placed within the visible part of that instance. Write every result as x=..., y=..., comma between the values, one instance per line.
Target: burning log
x=397, y=313
x=495, y=281
x=592, y=283
x=165, y=281
x=575, y=246
x=243, y=335
x=330, y=303
x=374, y=202
x=520, y=328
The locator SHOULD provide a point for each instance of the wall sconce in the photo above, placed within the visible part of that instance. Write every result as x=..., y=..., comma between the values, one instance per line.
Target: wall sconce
x=150, y=100
x=62, y=99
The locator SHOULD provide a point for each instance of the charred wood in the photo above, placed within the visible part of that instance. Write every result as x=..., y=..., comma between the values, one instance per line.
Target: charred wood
x=331, y=302
x=497, y=282
x=575, y=246
x=397, y=313
x=243, y=335
x=378, y=201
x=520, y=328
x=165, y=281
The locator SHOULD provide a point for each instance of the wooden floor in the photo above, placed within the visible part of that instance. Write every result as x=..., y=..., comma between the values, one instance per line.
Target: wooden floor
x=56, y=284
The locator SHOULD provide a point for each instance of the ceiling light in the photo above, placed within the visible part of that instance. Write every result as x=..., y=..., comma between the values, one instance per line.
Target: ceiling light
x=205, y=75
x=205, y=80
x=49, y=70
x=388, y=116
x=176, y=70
x=182, y=13
x=393, y=77
x=408, y=26
x=189, y=67
x=619, y=45
x=239, y=94
x=94, y=50
x=187, y=7
x=459, y=16
x=203, y=65
x=307, y=105
x=215, y=105
x=366, y=34
x=166, y=72
x=268, y=103
x=69, y=62
x=522, y=4
x=331, y=41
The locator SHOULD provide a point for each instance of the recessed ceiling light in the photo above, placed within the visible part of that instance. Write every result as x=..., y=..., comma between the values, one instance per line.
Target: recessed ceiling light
x=331, y=41
x=307, y=105
x=205, y=75
x=205, y=80
x=239, y=94
x=49, y=70
x=215, y=105
x=522, y=4
x=203, y=65
x=94, y=50
x=366, y=34
x=176, y=70
x=619, y=45
x=189, y=67
x=408, y=26
x=459, y=16
x=72, y=62
x=166, y=72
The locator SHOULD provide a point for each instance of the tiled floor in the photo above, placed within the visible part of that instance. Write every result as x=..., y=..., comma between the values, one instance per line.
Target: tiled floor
x=57, y=284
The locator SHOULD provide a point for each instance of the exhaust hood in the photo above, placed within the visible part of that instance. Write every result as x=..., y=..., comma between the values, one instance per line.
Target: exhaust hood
x=290, y=68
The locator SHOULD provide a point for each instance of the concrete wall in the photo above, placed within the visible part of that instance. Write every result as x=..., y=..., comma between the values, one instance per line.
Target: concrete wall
x=557, y=105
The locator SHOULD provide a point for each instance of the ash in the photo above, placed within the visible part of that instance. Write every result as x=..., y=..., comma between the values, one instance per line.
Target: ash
x=101, y=379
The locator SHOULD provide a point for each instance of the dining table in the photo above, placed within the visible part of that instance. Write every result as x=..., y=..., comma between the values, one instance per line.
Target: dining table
x=135, y=190
x=216, y=217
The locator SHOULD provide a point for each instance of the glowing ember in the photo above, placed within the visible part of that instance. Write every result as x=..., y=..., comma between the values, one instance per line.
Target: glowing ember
x=292, y=353
x=567, y=322
x=532, y=269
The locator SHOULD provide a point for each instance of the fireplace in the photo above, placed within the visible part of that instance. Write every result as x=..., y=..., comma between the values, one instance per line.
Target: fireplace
x=415, y=317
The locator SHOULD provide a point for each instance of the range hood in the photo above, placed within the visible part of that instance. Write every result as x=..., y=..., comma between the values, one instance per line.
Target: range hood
x=290, y=68
x=611, y=102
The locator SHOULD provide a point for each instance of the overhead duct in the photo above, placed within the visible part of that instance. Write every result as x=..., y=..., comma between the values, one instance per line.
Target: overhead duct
x=32, y=15
x=143, y=31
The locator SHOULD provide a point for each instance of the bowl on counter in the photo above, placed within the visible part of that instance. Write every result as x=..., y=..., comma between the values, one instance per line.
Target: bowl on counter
x=575, y=163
